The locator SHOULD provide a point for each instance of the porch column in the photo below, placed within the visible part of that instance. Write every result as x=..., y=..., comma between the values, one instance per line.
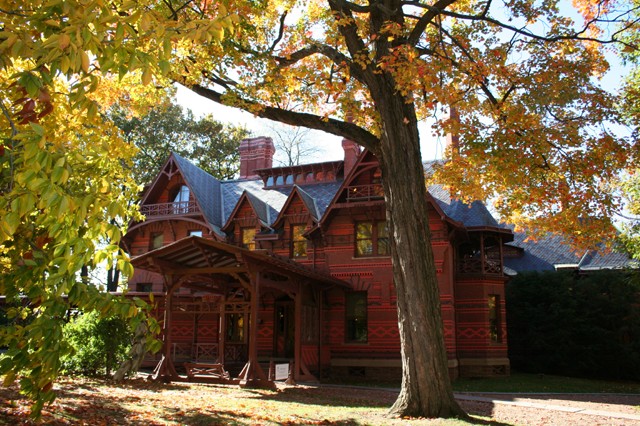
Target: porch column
x=252, y=374
x=297, y=352
x=222, y=329
x=165, y=369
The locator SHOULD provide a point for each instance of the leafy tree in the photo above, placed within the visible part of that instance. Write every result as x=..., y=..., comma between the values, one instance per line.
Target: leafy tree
x=522, y=76
x=630, y=106
x=63, y=186
x=98, y=344
x=210, y=144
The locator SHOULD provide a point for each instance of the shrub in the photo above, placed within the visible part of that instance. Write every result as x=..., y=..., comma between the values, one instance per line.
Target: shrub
x=99, y=344
x=578, y=325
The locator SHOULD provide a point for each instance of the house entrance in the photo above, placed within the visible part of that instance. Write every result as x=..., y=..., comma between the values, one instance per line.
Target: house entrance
x=284, y=333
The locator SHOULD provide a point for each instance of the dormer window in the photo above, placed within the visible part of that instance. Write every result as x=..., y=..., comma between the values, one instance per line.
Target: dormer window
x=248, y=238
x=298, y=241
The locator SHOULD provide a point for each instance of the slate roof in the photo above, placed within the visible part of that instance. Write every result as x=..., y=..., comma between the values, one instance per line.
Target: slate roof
x=205, y=187
x=552, y=251
x=471, y=215
x=219, y=198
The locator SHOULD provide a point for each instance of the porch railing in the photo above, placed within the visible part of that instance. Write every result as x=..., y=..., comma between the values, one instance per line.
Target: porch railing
x=233, y=352
x=168, y=209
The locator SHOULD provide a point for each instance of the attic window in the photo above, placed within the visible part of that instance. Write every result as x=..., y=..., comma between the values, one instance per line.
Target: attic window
x=270, y=181
x=279, y=180
x=289, y=180
x=181, y=200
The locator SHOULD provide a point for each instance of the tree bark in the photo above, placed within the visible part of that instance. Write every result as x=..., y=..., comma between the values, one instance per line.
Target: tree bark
x=426, y=386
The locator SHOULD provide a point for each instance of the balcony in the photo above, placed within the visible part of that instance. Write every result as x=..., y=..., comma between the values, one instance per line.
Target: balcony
x=169, y=209
x=365, y=193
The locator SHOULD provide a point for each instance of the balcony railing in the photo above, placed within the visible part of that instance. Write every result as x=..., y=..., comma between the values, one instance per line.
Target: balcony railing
x=365, y=192
x=475, y=265
x=168, y=209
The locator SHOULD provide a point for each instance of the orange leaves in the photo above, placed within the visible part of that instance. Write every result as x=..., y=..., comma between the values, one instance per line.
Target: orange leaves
x=32, y=110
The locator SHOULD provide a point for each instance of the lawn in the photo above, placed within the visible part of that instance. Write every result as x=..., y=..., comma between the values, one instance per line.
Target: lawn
x=141, y=402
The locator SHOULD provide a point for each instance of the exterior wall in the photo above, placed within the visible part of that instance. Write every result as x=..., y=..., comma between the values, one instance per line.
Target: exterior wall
x=464, y=298
x=478, y=354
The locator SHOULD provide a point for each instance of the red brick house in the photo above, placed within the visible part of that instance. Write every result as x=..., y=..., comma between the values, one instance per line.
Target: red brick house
x=292, y=264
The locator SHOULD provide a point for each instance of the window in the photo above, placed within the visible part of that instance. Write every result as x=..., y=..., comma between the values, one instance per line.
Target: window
x=157, y=240
x=372, y=239
x=235, y=328
x=298, y=241
x=144, y=287
x=494, y=318
x=356, y=317
x=195, y=233
x=181, y=200
x=247, y=238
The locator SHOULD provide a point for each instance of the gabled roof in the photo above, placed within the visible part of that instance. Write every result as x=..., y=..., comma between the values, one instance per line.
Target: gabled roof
x=307, y=200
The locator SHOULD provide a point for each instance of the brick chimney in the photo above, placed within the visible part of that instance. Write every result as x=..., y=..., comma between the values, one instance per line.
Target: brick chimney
x=453, y=136
x=255, y=153
x=351, y=153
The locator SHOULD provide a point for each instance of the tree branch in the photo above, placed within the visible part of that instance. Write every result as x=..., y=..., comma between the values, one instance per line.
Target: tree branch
x=332, y=53
x=280, y=31
x=426, y=19
x=329, y=125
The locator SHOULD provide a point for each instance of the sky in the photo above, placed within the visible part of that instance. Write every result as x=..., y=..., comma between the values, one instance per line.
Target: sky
x=330, y=145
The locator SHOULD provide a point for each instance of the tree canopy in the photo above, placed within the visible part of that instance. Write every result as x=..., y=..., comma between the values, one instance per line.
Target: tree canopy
x=521, y=76
x=210, y=144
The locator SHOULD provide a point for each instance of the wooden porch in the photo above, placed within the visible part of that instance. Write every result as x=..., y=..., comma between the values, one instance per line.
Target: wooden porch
x=225, y=284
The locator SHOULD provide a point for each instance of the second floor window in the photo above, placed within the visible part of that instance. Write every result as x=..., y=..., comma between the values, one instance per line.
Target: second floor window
x=372, y=239
x=298, y=241
x=248, y=238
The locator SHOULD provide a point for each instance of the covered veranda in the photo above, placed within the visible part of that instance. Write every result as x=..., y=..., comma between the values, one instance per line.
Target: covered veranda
x=233, y=280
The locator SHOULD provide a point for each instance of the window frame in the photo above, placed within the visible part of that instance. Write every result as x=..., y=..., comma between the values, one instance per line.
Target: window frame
x=375, y=239
x=494, y=320
x=152, y=240
x=355, y=323
x=248, y=245
x=300, y=242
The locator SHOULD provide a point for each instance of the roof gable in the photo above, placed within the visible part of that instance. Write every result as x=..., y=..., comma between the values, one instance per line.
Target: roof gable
x=259, y=208
x=307, y=200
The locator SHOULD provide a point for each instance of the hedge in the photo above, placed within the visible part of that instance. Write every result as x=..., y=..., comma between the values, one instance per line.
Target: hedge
x=585, y=325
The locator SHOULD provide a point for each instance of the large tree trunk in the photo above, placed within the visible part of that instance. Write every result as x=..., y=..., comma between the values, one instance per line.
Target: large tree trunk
x=426, y=387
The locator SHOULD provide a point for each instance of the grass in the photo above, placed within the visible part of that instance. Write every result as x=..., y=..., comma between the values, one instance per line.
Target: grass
x=139, y=402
